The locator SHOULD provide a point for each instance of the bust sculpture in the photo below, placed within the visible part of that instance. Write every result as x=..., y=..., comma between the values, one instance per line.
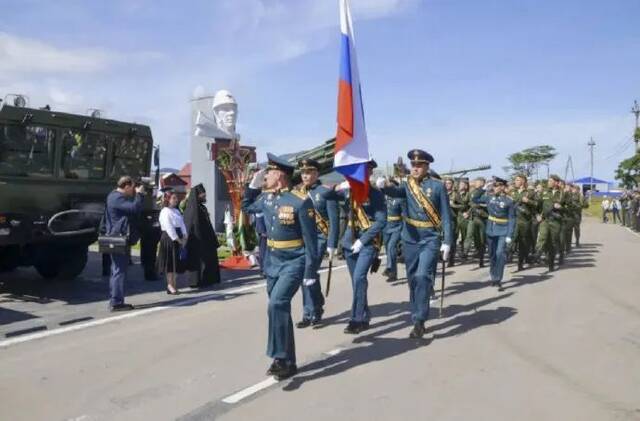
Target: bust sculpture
x=225, y=115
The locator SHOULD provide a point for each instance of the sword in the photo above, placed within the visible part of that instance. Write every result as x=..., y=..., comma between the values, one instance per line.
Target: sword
x=326, y=294
x=442, y=287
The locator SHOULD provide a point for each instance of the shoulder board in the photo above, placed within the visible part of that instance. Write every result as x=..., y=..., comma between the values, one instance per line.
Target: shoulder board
x=300, y=195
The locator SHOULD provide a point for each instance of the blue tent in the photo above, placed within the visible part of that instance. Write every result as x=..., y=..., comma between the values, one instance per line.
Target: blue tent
x=589, y=180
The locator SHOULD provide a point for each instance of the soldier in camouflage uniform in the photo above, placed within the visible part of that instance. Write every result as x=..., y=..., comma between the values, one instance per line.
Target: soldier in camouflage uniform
x=581, y=203
x=477, y=217
x=535, y=224
x=455, y=205
x=526, y=209
x=550, y=234
x=569, y=216
x=463, y=198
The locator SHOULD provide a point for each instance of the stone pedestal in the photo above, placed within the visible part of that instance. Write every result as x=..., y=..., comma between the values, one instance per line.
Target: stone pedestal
x=203, y=168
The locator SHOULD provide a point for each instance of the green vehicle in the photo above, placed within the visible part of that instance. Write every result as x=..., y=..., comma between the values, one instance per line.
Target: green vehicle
x=56, y=170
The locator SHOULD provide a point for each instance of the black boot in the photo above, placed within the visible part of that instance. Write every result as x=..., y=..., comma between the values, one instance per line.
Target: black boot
x=303, y=323
x=561, y=259
x=417, y=331
x=290, y=370
x=550, y=262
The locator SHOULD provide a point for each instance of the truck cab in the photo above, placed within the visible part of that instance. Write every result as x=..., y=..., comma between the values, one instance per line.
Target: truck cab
x=56, y=170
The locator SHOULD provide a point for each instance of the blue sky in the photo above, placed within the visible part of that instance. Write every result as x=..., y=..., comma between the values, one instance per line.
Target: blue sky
x=470, y=81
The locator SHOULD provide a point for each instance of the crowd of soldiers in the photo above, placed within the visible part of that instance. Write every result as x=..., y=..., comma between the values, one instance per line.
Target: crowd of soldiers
x=630, y=212
x=429, y=219
x=548, y=216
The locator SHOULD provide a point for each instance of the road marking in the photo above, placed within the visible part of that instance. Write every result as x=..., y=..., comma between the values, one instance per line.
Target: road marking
x=245, y=393
x=135, y=313
x=334, y=352
x=632, y=231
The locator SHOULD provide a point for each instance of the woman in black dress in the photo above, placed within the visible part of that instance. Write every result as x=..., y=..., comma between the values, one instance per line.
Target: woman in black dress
x=202, y=246
x=172, y=241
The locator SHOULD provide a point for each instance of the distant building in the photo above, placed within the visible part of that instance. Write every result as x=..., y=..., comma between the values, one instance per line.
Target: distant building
x=185, y=174
x=600, y=187
x=176, y=182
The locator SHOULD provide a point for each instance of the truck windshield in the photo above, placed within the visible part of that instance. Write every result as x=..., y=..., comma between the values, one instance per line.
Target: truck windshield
x=130, y=156
x=26, y=150
x=84, y=156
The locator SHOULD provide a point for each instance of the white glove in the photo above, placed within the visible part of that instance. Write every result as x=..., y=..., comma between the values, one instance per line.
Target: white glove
x=332, y=252
x=507, y=240
x=380, y=182
x=356, y=247
x=257, y=180
x=308, y=282
x=445, y=249
x=343, y=186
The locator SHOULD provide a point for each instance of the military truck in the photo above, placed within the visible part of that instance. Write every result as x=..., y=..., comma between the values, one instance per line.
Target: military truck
x=56, y=170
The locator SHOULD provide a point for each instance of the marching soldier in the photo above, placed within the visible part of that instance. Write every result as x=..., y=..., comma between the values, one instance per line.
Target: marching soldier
x=462, y=201
x=455, y=204
x=292, y=255
x=552, y=202
x=583, y=203
x=477, y=216
x=327, y=227
x=428, y=215
x=526, y=209
x=569, y=219
x=361, y=245
x=391, y=236
x=500, y=227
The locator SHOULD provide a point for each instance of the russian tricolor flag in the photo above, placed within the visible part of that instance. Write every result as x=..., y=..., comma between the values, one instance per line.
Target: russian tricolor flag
x=352, y=149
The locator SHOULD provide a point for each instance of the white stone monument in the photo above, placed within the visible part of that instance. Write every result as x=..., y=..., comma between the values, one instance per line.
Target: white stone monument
x=212, y=117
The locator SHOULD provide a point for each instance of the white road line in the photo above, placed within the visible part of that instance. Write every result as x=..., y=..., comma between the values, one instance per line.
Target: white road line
x=334, y=352
x=237, y=397
x=632, y=231
x=136, y=313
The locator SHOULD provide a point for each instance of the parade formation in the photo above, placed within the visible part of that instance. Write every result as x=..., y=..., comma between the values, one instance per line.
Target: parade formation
x=135, y=290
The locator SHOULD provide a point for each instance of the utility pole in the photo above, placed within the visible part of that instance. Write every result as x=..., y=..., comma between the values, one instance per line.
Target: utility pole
x=636, y=111
x=591, y=144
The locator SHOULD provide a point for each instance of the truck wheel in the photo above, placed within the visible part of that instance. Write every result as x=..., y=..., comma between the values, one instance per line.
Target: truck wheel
x=48, y=269
x=9, y=258
x=72, y=262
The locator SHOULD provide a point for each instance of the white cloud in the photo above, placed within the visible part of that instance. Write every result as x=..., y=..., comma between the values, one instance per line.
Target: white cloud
x=32, y=56
x=20, y=55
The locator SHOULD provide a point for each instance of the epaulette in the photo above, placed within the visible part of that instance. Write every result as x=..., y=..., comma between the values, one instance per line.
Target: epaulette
x=300, y=195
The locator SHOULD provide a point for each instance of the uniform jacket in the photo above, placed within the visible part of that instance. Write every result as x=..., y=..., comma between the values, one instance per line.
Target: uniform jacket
x=375, y=210
x=395, y=212
x=327, y=209
x=437, y=194
x=287, y=217
x=502, y=214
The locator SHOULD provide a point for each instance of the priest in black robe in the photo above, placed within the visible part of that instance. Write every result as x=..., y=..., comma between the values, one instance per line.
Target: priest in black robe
x=202, y=243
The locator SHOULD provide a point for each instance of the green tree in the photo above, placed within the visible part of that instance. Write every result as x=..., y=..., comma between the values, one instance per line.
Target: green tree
x=628, y=171
x=529, y=160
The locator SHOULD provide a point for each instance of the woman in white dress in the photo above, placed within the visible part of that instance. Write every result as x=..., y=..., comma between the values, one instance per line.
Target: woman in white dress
x=172, y=241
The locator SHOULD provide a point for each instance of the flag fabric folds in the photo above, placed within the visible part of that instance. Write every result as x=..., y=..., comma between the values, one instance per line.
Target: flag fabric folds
x=352, y=149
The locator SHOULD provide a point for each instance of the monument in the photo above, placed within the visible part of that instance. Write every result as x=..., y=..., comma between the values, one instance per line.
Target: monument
x=219, y=162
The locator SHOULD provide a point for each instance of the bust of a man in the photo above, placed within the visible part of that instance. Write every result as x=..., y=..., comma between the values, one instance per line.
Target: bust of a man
x=225, y=115
x=225, y=111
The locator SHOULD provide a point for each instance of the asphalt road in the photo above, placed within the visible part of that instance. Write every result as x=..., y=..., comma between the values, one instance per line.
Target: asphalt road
x=559, y=346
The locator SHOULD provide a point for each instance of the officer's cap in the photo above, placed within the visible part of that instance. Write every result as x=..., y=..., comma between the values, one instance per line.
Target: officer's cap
x=277, y=163
x=555, y=177
x=498, y=180
x=308, y=164
x=418, y=155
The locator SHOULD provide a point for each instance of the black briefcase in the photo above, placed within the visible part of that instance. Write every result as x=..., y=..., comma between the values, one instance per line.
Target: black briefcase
x=116, y=244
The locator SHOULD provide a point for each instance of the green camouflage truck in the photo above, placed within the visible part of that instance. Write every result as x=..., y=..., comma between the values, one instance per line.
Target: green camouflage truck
x=56, y=170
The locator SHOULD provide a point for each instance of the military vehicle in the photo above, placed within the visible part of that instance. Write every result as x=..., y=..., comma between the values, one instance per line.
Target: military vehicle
x=56, y=170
